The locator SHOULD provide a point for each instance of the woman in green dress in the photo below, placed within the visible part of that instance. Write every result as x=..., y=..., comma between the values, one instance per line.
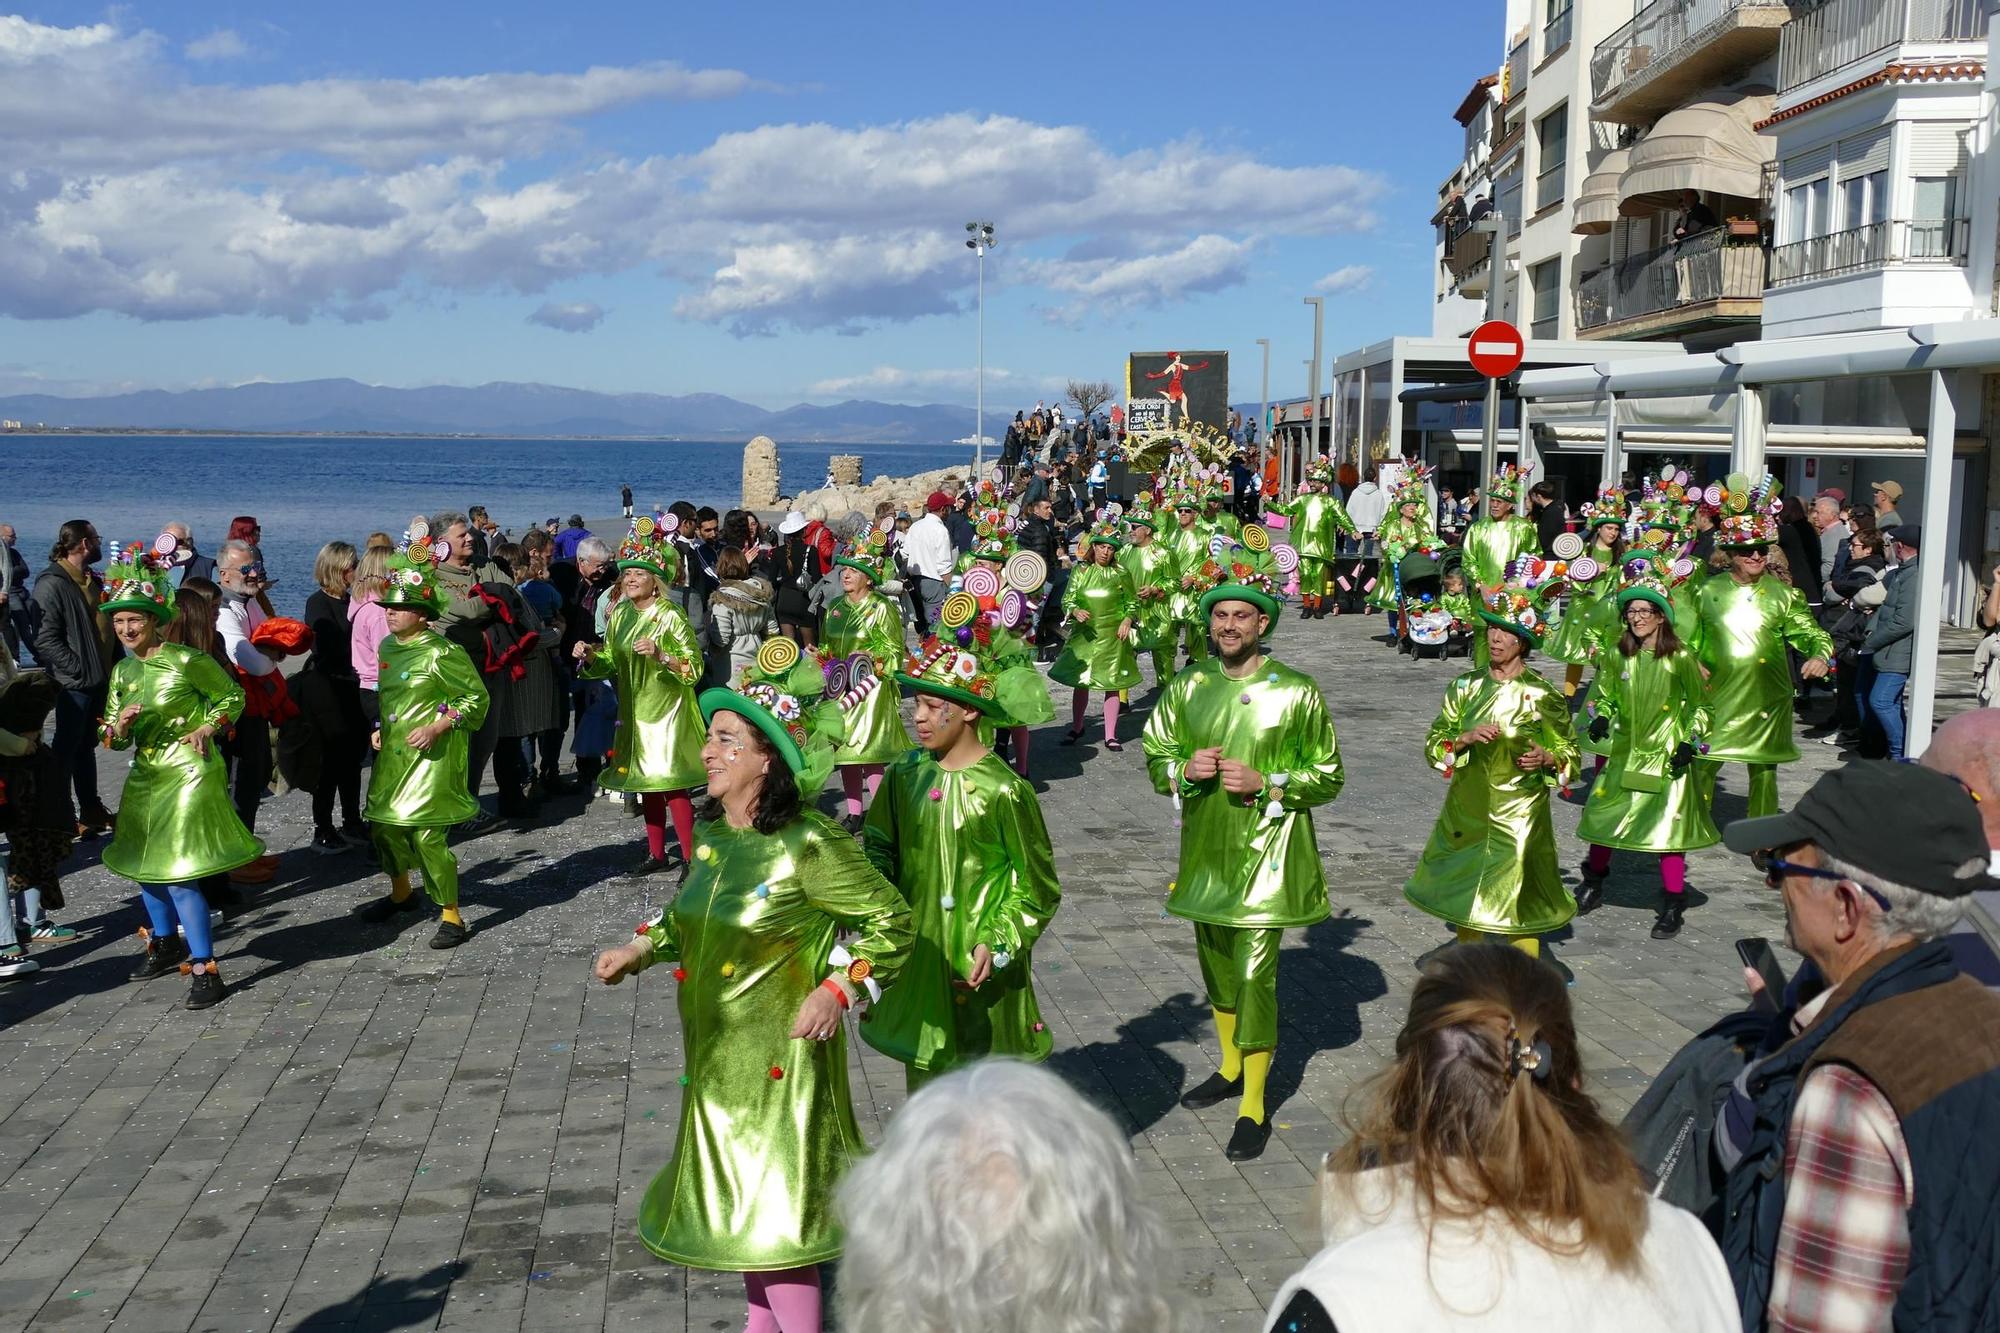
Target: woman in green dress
x=1155, y=573
x=431, y=700
x=861, y=645
x=1592, y=576
x=176, y=824
x=1101, y=612
x=1406, y=530
x=1501, y=737
x=766, y=1126
x=652, y=658
x=1004, y=601
x=1652, y=710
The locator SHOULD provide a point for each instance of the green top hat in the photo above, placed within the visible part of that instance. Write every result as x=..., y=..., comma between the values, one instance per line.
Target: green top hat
x=868, y=553
x=650, y=546
x=140, y=582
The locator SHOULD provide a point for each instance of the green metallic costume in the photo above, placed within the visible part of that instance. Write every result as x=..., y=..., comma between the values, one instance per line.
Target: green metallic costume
x=1640, y=803
x=971, y=855
x=1490, y=545
x=1155, y=575
x=1248, y=867
x=1490, y=864
x=766, y=1124
x=1741, y=639
x=1190, y=551
x=660, y=732
x=175, y=821
x=1094, y=657
x=1317, y=521
x=1400, y=536
x=416, y=796
x=875, y=732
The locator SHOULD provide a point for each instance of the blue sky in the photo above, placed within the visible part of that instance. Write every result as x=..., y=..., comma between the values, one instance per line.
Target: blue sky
x=763, y=201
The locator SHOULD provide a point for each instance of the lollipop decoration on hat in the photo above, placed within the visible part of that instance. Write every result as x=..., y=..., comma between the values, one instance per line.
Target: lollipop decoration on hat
x=968, y=663
x=411, y=583
x=868, y=553
x=1749, y=514
x=1608, y=507
x=1320, y=473
x=1506, y=484
x=1520, y=603
x=787, y=696
x=1247, y=574
x=649, y=546
x=136, y=579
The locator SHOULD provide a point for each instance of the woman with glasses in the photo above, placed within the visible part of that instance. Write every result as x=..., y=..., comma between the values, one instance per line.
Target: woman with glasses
x=1651, y=709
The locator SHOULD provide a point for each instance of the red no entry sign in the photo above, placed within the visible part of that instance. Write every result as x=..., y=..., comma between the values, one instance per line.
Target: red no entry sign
x=1495, y=348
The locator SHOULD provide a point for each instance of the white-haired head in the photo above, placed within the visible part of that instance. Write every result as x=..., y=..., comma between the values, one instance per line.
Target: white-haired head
x=1001, y=1201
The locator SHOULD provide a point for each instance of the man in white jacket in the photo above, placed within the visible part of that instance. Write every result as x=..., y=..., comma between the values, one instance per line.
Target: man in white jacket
x=1366, y=505
x=237, y=617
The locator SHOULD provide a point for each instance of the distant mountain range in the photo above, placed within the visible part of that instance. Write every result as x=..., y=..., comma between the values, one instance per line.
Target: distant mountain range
x=345, y=406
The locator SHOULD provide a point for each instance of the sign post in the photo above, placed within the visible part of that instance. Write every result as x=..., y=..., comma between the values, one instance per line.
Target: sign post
x=1495, y=350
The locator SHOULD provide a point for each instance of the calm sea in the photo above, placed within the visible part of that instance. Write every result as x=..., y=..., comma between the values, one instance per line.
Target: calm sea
x=309, y=491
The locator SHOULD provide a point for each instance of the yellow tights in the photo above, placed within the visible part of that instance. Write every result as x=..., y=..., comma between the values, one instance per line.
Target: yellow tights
x=1527, y=944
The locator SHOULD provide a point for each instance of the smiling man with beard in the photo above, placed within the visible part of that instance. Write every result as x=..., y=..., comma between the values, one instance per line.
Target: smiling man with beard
x=1245, y=747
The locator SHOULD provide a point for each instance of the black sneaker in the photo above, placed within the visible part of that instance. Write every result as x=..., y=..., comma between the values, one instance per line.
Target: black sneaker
x=1668, y=923
x=1247, y=1141
x=1589, y=894
x=327, y=842
x=162, y=956
x=357, y=835
x=652, y=865
x=450, y=935
x=851, y=822
x=1215, y=1088
x=483, y=822
x=387, y=909
x=206, y=990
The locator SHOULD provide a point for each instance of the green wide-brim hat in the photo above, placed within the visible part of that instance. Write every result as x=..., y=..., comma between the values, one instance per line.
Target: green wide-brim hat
x=662, y=570
x=719, y=700
x=428, y=600
x=926, y=685
x=1528, y=636
x=874, y=572
x=1242, y=592
x=1143, y=519
x=136, y=599
x=1626, y=596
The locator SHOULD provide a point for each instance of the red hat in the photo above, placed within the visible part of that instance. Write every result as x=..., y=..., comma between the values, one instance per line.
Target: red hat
x=938, y=502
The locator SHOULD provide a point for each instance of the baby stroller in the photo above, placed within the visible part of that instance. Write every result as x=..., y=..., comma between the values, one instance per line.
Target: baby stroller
x=1426, y=625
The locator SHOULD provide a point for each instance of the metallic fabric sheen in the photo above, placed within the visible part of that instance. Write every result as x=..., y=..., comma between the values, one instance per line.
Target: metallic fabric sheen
x=1153, y=567
x=874, y=625
x=1094, y=657
x=1639, y=804
x=412, y=788
x=657, y=746
x=1741, y=640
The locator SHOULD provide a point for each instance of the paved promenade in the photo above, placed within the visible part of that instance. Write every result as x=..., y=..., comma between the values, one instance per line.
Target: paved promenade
x=370, y=1135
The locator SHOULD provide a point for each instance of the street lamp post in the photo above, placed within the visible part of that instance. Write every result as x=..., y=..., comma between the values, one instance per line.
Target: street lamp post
x=1318, y=303
x=979, y=242
x=1264, y=409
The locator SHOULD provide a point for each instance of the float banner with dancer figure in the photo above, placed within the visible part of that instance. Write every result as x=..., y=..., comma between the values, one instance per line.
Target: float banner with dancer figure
x=1165, y=390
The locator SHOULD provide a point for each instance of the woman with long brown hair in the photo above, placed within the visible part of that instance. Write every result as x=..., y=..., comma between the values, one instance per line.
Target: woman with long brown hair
x=1482, y=1186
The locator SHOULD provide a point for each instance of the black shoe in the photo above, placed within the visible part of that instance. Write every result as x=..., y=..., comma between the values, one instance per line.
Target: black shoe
x=1589, y=894
x=162, y=956
x=1668, y=923
x=206, y=990
x=450, y=935
x=1215, y=1088
x=851, y=822
x=555, y=784
x=387, y=909
x=483, y=822
x=326, y=842
x=357, y=834
x=652, y=865
x=1114, y=744
x=1247, y=1141
x=1072, y=737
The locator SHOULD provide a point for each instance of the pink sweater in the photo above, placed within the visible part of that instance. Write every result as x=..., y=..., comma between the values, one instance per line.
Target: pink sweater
x=368, y=623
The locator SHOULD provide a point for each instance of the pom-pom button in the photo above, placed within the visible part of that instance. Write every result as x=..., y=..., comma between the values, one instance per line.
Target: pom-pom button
x=729, y=969
x=763, y=890
x=680, y=974
x=684, y=1080
x=1002, y=958
x=777, y=1072
x=705, y=852
x=947, y=902
x=1243, y=698
x=936, y=795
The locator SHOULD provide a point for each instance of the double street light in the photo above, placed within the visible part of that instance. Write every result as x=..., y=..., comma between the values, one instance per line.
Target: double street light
x=979, y=240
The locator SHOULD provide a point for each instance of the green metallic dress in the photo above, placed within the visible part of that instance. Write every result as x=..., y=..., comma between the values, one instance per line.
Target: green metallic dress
x=175, y=821
x=1317, y=521
x=1190, y=549
x=875, y=731
x=1491, y=544
x=971, y=855
x=1400, y=536
x=411, y=788
x=1247, y=862
x=1094, y=657
x=1639, y=803
x=657, y=746
x=1490, y=863
x=1225, y=523
x=1574, y=639
x=1741, y=640
x=766, y=1125
x=1153, y=567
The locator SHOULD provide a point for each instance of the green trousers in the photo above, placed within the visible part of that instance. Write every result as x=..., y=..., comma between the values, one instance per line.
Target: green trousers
x=1763, y=793
x=1195, y=637
x=1239, y=966
x=422, y=849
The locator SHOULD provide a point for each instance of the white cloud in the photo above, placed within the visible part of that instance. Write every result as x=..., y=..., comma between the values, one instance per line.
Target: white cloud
x=568, y=316
x=899, y=383
x=222, y=44
x=1346, y=278
x=125, y=186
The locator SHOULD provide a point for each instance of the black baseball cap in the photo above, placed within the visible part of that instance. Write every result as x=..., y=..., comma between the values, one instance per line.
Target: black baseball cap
x=1910, y=825
x=1907, y=534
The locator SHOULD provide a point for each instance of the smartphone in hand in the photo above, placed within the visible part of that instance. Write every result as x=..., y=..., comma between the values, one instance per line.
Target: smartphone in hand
x=1757, y=955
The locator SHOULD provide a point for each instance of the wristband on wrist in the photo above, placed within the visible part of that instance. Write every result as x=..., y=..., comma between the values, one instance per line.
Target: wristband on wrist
x=831, y=985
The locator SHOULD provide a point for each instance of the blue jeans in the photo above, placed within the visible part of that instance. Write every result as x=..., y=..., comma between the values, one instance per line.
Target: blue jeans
x=1885, y=701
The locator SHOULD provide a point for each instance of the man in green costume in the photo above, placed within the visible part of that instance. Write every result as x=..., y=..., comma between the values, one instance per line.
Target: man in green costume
x=1245, y=747
x=1318, y=520
x=1187, y=539
x=1496, y=541
x=961, y=834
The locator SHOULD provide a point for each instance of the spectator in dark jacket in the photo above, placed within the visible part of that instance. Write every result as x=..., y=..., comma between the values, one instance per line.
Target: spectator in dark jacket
x=17, y=597
x=1551, y=520
x=1799, y=540
x=958, y=522
x=71, y=643
x=1889, y=639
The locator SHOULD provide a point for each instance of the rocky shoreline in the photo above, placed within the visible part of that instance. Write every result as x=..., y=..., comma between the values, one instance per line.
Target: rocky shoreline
x=849, y=495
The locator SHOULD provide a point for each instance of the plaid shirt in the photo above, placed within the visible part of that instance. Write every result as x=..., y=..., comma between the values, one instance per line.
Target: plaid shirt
x=1844, y=1244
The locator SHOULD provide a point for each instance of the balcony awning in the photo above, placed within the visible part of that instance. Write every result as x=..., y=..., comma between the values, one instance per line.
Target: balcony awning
x=1597, y=197
x=1701, y=146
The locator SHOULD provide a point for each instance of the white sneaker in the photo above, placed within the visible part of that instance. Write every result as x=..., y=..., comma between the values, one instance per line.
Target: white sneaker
x=18, y=967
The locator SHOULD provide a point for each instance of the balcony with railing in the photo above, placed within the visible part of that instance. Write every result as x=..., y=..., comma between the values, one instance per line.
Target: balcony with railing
x=1930, y=241
x=1712, y=278
x=1843, y=33
x=1672, y=49
x=1468, y=258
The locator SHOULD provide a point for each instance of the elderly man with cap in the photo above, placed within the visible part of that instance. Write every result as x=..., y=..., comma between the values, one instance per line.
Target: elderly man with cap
x=1888, y=494
x=1891, y=634
x=929, y=553
x=1246, y=748
x=1861, y=1169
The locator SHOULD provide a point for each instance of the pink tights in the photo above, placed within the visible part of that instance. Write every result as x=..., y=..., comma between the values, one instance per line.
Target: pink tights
x=655, y=806
x=1019, y=742
x=1673, y=867
x=856, y=777
x=786, y=1301
x=1079, y=700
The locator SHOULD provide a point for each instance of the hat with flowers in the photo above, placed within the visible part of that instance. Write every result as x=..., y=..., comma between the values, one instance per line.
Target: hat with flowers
x=1106, y=531
x=1506, y=484
x=1748, y=510
x=649, y=545
x=790, y=697
x=868, y=553
x=1321, y=472
x=1247, y=574
x=1520, y=602
x=1608, y=507
x=411, y=581
x=1410, y=485
x=138, y=581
